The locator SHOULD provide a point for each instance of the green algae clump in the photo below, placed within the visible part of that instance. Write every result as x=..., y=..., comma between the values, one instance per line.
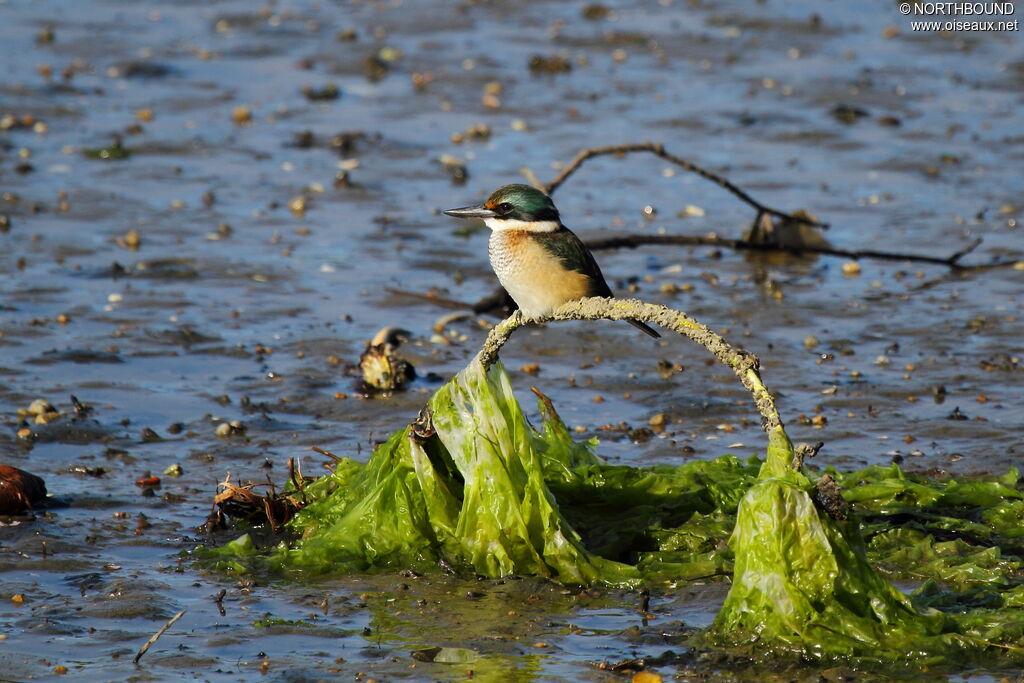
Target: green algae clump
x=472, y=486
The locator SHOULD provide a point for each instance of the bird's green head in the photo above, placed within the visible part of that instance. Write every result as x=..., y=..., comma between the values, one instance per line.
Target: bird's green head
x=516, y=207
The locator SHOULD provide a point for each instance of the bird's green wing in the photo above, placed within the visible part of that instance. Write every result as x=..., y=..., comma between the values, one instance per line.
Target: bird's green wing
x=574, y=255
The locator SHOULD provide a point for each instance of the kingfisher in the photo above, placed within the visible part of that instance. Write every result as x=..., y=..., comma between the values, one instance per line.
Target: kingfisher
x=541, y=263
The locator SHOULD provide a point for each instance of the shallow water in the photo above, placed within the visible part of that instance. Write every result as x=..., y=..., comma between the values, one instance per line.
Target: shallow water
x=202, y=324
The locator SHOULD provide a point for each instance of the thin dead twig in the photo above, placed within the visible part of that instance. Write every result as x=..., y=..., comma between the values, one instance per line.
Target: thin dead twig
x=659, y=151
x=156, y=636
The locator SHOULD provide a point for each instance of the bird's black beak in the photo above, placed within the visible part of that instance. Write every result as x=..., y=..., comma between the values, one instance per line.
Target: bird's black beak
x=479, y=211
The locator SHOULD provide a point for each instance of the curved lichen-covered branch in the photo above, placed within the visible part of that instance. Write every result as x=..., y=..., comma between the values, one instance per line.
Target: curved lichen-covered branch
x=741, y=361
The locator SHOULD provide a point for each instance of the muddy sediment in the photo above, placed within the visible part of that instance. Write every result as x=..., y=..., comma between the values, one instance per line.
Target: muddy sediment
x=206, y=212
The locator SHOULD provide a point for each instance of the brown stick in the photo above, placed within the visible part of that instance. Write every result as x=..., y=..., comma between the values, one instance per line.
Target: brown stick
x=659, y=151
x=157, y=635
x=321, y=451
x=432, y=298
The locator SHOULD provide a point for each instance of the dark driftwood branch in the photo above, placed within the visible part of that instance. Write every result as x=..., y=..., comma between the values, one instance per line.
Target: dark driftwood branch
x=659, y=151
x=634, y=241
x=741, y=361
x=499, y=300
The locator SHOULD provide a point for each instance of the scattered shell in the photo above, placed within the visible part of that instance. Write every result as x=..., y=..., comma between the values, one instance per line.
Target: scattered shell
x=19, y=490
x=381, y=366
x=851, y=268
x=691, y=210
x=131, y=240
x=46, y=418
x=455, y=168
x=552, y=64
x=329, y=92
x=40, y=406
x=646, y=677
x=421, y=80
x=375, y=68
x=595, y=12
x=241, y=115
x=298, y=205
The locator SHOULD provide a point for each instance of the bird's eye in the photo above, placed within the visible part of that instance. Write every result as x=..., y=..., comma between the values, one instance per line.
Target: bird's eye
x=504, y=208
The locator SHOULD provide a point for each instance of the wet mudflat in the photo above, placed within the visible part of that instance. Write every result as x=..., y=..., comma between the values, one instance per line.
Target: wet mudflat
x=208, y=209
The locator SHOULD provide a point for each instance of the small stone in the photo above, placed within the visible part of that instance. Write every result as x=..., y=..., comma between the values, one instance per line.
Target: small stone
x=657, y=420
x=851, y=269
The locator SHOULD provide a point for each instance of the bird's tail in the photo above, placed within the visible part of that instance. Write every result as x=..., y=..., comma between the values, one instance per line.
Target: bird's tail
x=643, y=327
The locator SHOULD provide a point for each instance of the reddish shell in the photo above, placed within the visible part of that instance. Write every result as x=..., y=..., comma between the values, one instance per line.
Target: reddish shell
x=19, y=490
x=148, y=481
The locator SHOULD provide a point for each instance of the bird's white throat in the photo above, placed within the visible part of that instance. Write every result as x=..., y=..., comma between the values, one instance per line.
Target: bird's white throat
x=515, y=224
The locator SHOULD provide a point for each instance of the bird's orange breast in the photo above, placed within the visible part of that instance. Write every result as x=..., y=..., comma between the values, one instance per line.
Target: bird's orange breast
x=534, y=277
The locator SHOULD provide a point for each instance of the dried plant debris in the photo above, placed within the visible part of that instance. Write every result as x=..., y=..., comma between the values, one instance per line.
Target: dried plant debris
x=243, y=502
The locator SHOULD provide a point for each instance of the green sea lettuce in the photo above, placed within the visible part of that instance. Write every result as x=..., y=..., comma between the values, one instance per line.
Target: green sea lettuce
x=478, y=489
